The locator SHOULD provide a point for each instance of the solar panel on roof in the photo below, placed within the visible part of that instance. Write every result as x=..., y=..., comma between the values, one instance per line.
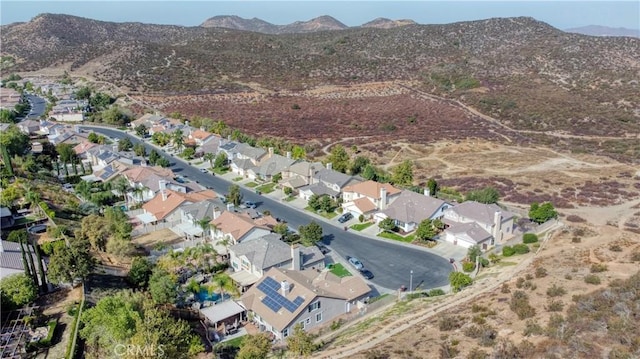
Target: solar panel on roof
x=298, y=301
x=274, y=300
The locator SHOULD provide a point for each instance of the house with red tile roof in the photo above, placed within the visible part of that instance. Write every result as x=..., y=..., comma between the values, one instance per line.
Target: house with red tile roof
x=163, y=207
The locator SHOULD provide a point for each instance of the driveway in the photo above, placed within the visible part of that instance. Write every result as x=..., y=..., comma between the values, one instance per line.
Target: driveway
x=390, y=262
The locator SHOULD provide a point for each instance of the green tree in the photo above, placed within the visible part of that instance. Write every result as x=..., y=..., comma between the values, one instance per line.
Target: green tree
x=300, y=343
x=359, y=164
x=223, y=284
x=486, y=195
x=221, y=160
x=403, y=174
x=161, y=139
x=7, y=116
x=66, y=152
x=112, y=321
x=140, y=150
x=310, y=234
x=298, y=153
x=10, y=194
x=339, y=158
x=162, y=286
x=101, y=100
x=125, y=144
x=432, y=185
x=459, y=280
x=474, y=252
x=425, y=230
x=542, y=213
x=15, y=141
x=281, y=229
x=163, y=162
x=257, y=346
x=84, y=93
x=234, y=196
x=369, y=172
x=314, y=202
x=188, y=153
x=209, y=157
x=205, y=225
x=387, y=224
x=178, y=139
x=71, y=263
x=140, y=272
x=327, y=204
x=141, y=130
x=16, y=290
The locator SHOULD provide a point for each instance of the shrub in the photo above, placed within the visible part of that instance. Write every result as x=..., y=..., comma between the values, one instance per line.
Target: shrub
x=592, y=279
x=468, y=266
x=520, y=282
x=532, y=328
x=505, y=288
x=484, y=262
x=598, y=268
x=521, y=248
x=529, y=238
x=555, y=306
x=449, y=323
x=436, y=292
x=336, y=324
x=520, y=305
x=556, y=291
x=615, y=248
x=476, y=353
x=508, y=251
x=48, y=248
x=576, y=240
x=568, y=276
x=635, y=256
x=541, y=272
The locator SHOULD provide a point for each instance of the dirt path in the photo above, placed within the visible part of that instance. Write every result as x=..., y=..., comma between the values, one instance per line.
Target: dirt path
x=408, y=320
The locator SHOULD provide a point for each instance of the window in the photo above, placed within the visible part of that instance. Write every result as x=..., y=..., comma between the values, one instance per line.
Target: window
x=285, y=333
x=307, y=321
x=302, y=324
x=314, y=306
x=319, y=317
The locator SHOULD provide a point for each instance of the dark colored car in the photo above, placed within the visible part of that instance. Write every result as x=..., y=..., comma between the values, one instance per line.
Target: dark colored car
x=250, y=204
x=366, y=273
x=323, y=249
x=345, y=217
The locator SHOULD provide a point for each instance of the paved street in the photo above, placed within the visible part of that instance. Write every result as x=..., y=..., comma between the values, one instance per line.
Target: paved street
x=391, y=262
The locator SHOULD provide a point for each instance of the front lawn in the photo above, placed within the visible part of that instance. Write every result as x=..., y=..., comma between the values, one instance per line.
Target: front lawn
x=221, y=171
x=238, y=179
x=251, y=184
x=397, y=237
x=339, y=270
x=290, y=198
x=361, y=226
x=326, y=215
x=267, y=187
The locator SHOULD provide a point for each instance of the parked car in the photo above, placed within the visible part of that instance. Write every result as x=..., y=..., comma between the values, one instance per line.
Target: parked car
x=345, y=217
x=250, y=204
x=323, y=249
x=355, y=262
x=204, y=170
x=366, y=273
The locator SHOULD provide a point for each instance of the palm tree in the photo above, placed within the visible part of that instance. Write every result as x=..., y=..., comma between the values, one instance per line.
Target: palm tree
x=222, y=283
x=205, y=224
x=122, y=186
x=138, y=193
x=178, y=139
x=209, y=156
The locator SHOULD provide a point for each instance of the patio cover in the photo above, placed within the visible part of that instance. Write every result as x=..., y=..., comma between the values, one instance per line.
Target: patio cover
x=222, y=311
x=244, y=278
x=188, y=229
x=146, y=218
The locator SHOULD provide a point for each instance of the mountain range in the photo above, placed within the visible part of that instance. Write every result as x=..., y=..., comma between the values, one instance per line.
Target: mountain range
x=322, y=23
x=596, y=30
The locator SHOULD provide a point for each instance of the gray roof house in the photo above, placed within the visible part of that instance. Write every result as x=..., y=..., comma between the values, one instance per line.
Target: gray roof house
x=255, y=154
x=251, y=259
x=241, y=166
x=272, y=166
x=11, y=258
x=411, y=208
x=285, y=298
x=327, y=182
x=491, y=218
x=467, y=235
x=300, y=174
x=6, y=217
x=228, y=147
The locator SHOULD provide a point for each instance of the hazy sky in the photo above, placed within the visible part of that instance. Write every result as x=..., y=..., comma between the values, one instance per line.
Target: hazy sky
x=561, y=14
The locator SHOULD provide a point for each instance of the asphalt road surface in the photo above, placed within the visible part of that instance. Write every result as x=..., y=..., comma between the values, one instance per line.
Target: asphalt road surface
x=390, y=263
x=38, y=105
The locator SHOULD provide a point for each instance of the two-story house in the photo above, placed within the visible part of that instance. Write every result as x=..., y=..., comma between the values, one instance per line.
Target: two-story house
x=236, y=228
x=270, y=166
x=328, y=182
x=285, y=298
x=411, y=208
x=254, y=154
x=191, y=216
x=299, y=174
x=146, y=181
x=164, y=206
x=367, y=197
x=250, y=260
x=472, y=223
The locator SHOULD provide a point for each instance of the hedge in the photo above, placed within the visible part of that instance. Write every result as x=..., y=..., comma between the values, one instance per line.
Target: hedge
x=529, y=238
x=521, y=248
x=508, y=251
x=468, y=266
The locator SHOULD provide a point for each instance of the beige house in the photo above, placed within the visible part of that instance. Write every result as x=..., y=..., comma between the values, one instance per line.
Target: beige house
x=367, y=197
x=236, y=228
x=285, y=298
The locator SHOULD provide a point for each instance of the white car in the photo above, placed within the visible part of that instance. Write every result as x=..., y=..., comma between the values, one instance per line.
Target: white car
x=204, y=170
x=355, y=262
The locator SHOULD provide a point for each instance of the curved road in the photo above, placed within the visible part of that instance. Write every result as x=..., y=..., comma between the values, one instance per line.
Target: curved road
x=390, y=262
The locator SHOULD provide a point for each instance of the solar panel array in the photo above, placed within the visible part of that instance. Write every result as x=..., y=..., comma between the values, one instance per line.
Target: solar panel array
x=274, y=300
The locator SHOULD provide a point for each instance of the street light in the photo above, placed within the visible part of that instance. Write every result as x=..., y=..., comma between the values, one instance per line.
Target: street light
x=411, y=281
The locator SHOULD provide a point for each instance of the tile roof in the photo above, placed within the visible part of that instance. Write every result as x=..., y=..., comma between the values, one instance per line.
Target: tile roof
x=371, y=189
x=472, y=230
x=161, y=208
x=307, y=284
x=140, y=173
x=480, y=212
x=364, y=204
x=264, y=252
x=200, y=134
x=413, y=207
x=235, y=224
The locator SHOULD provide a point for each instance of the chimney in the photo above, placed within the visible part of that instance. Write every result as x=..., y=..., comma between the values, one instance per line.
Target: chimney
x=270, y=152
x=228, y=137
x=216, y=212
x=296, y=256
x=329, y=166
x=497, y=226
x=289, y=154
x=427, y=192
x=383, y=197
x=163, y=189
x=285, y=287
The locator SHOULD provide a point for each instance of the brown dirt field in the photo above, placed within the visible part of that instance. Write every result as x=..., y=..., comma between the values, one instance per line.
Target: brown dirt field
x=149, y=240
